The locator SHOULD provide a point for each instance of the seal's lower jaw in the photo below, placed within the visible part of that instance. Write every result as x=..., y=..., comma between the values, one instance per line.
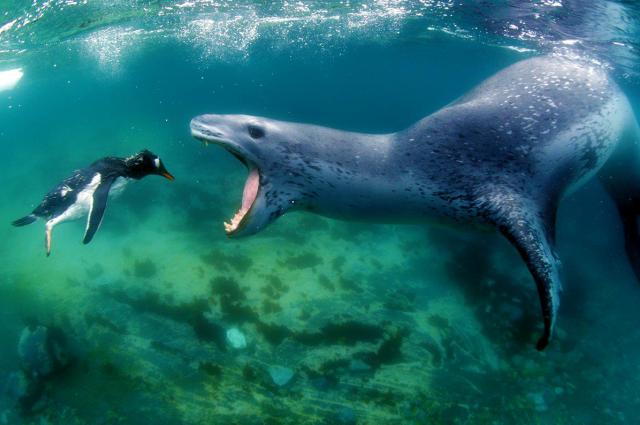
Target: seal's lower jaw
x=249, y=196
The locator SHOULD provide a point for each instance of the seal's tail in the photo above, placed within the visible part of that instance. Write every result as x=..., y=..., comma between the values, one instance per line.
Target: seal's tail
x=28, y=219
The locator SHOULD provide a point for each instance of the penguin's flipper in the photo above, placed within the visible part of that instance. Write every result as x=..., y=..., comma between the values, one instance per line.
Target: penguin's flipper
x=96, y=212
x=524, y=224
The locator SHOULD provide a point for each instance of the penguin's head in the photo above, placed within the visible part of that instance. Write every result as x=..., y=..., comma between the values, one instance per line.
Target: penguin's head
x=146, y=163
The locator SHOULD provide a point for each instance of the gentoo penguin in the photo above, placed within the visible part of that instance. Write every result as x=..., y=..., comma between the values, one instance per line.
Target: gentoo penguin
x=87, y=189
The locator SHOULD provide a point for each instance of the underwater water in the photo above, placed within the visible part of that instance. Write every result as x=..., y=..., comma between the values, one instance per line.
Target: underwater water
x=164, y=320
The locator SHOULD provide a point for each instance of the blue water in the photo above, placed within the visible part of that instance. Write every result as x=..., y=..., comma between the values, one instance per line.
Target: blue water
x=343, y=322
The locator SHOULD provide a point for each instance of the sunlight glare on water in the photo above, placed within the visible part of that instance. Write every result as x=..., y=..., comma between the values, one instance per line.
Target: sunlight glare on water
x=9, y=78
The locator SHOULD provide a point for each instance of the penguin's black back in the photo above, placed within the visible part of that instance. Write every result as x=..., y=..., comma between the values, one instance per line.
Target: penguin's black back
x=65, y=194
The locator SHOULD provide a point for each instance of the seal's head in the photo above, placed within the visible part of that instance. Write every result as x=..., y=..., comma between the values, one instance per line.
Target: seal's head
x=262, y=146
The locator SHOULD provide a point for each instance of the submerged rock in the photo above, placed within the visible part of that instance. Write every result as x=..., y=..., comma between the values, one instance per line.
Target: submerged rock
x=9, y=417
x=17, y=385
x=358, y=366
x=538, y=401
x=144, y=269
x=23, y=390
x=280, y=375
x=236, y=339
x=42, y=351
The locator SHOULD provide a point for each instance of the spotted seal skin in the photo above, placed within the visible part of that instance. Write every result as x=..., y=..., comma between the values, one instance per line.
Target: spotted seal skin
x=504, y=155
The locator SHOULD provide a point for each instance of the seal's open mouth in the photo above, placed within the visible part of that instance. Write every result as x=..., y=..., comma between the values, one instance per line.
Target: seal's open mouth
x=249, y=195
x=252, y=184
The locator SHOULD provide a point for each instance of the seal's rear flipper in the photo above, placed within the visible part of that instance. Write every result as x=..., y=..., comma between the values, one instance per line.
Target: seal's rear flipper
x=531, y=233
x=25, y=220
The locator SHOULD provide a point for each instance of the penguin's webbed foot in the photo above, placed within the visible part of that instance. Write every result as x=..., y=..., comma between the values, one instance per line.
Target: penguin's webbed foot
x=47, y=239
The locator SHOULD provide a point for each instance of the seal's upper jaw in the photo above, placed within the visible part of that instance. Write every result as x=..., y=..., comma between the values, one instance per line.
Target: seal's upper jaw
x=218, y=130
x=205, y=129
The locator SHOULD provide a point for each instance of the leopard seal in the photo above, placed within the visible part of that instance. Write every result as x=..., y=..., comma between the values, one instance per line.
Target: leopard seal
x=502, y=155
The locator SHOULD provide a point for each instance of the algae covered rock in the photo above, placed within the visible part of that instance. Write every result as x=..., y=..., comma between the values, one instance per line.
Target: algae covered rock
x=280, y=375
x=22, y=390
x=346, y=416
x=236, y=339
x=42, y=351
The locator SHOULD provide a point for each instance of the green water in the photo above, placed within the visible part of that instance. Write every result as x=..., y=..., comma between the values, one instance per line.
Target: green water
x=380, y=324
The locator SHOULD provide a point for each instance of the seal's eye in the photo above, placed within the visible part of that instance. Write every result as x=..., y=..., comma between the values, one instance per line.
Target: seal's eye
x=255, y=131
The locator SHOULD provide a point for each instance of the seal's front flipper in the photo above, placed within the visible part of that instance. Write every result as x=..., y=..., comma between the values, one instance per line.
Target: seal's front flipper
x=530, y=232
x=96, y=212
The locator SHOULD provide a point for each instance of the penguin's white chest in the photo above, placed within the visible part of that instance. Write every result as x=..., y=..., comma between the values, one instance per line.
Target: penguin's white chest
x=82, y=205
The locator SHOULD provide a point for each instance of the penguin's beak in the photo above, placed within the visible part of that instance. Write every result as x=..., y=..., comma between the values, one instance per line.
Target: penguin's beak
x=164, y=173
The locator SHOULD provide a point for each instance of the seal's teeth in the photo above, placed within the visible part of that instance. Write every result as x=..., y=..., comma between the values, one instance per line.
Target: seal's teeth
x=235, y=221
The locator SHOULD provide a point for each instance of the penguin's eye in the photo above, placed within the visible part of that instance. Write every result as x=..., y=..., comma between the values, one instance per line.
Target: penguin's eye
x=156, y=162
x=255, y=131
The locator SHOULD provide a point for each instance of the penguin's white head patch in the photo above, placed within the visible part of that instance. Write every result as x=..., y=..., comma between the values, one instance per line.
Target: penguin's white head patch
x=156, y=162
